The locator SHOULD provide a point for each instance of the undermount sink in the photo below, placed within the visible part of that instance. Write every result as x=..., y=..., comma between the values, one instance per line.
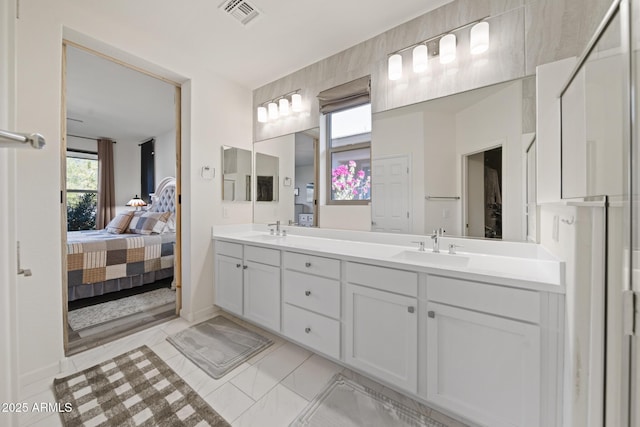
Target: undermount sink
x=433, y=258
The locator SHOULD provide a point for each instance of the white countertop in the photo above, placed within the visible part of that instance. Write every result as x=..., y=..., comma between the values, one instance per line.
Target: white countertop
x=530, y=269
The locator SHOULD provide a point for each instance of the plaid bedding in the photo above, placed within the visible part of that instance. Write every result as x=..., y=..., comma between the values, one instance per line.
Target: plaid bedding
x=97, y=256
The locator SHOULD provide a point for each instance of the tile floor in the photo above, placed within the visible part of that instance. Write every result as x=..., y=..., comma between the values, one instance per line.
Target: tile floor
x=268, y=390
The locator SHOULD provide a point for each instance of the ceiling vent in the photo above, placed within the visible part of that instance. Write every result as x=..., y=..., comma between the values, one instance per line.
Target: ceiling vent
x=241, y=10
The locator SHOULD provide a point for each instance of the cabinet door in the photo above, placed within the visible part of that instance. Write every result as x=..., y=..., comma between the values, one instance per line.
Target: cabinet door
x=382, y=335
x=228, y=287
x=483, y=367
x=262, y=294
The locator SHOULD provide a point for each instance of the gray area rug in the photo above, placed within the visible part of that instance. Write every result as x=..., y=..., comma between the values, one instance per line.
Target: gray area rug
x=218, y=345
x=345, y=403
x=134, y=389
x=111, y=310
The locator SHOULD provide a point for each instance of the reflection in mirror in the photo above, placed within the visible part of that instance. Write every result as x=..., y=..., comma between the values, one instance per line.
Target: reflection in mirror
x=266, y=178
x=483, y=193
x=236, y=174
x=274, y=158
x=305, y=208
x=434, y=138
x=592, y=121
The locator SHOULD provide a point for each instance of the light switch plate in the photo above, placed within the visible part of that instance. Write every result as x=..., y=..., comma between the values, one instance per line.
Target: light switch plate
x=207, y=172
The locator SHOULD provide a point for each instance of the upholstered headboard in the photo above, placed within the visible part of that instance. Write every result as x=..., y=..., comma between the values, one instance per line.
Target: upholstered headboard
x=164, y=199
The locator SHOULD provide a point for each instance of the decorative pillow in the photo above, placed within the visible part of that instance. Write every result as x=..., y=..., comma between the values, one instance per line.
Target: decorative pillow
x=171, y=224
x=148, y=222
x=119, y=224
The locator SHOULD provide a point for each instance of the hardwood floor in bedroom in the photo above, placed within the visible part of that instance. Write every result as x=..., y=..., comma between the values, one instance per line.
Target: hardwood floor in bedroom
x=94, y=333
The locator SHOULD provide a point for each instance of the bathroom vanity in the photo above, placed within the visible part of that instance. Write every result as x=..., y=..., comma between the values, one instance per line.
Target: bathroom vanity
x=477, y=333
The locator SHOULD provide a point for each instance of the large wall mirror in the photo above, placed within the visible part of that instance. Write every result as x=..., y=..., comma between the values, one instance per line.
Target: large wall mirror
x=468, y=157
x=273, y=183
x=236, y=174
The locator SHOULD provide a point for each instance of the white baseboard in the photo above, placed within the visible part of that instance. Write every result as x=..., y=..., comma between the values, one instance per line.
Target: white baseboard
x=40, y=374
x=200, y=315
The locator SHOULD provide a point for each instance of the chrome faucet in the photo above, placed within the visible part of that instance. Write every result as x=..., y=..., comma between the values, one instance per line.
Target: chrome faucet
x=277, y=224
x=437, y=234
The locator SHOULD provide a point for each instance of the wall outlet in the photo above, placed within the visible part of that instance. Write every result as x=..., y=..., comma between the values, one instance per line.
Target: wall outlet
x=446, y=213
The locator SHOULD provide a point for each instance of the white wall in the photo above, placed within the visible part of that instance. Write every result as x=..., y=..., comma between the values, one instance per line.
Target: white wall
x=126, y=170
x=165, y=155
x=304, y=176
x=213, y=110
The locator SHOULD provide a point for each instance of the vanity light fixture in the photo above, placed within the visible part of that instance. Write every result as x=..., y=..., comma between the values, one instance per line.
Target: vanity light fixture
x=283, y=106
x=448, y=49
x=296, y=102
x=395, y=66
x=273, y=111
x=442, y=45
x=479, y=38
x=262, y=115
x=420, y=58
x=280, y=106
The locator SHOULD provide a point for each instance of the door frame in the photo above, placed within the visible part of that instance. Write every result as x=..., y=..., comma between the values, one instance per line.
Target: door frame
x=63, y=177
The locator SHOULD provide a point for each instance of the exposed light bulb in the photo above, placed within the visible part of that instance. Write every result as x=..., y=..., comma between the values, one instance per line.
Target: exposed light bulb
x=479, y=38
x=296, y=102
x=273, y=111
x=395, y=66
x=262, y=115
x=284, y=107
x=448, y=49
x=420, y=58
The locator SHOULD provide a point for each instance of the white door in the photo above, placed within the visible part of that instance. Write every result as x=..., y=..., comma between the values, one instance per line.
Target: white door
x=390, y=192
x=485, y=368
x=229, y=283
x=382, y=335
x=262, y=294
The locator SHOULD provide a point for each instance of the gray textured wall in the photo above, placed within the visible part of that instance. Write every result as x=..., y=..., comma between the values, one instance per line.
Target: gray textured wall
x=524, y=34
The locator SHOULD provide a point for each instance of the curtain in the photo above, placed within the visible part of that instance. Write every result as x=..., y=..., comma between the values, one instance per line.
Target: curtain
x=106, y=209
x=347, y=95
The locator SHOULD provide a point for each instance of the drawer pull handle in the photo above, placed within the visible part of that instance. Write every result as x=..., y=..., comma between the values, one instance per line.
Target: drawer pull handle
x=307, y=293
x=244, y=267
x=238, y=265
x=411, y=309
x=307, y=264
x=307, y=330
x=431, y=314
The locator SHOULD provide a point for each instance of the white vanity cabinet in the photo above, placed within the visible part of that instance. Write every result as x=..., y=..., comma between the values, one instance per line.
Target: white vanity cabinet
x=262, y=286
x=229, y=272
x=248, y=282
x=311, y=287
x=381, y=324
x=483, y=351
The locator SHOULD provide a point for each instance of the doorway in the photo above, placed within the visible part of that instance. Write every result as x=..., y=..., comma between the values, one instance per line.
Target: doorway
x=483, y=194
x=113, y=183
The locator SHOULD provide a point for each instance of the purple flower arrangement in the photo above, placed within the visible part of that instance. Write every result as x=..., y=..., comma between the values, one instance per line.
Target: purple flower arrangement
x=349, y=184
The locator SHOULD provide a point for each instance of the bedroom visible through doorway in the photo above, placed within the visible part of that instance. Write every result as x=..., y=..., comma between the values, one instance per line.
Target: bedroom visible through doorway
x=120, y=210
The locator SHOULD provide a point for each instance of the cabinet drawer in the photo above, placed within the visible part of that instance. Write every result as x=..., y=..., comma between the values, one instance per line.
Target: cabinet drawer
x=229, y=249
x=386, y=279
x=499, y=300
x=312, y=330
x=262, y=255
x=314, y=293
x=326, y=267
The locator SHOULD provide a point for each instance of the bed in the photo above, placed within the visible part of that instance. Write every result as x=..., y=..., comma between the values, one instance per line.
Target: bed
x=135, y=249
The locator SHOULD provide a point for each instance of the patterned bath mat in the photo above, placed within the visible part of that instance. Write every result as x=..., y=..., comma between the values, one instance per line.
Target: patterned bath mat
x=134, y=389
x=345, y=403
x=218, y=345
x=97, y=314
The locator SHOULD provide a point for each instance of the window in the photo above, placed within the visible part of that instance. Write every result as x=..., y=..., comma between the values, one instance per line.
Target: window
x=349, y=151
x=82, y=189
